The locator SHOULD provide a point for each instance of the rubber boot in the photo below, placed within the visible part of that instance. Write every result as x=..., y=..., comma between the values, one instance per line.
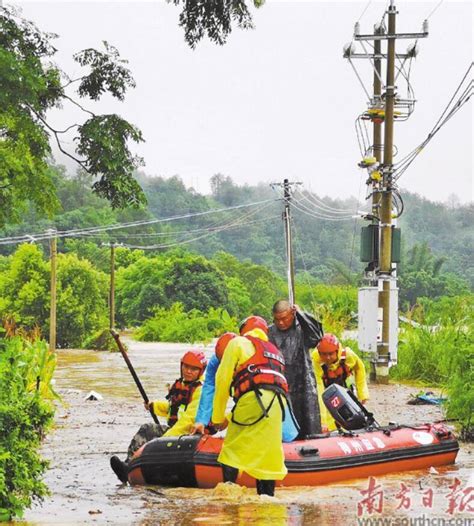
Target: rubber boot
x=266, y=487
x=120, y=468
x=229, y=473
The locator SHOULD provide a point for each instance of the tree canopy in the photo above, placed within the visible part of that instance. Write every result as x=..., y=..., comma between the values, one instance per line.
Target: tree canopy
x=213, y=19
x=30, y=86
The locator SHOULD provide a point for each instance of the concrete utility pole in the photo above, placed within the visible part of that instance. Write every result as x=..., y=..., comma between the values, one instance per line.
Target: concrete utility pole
x=286, y=185
x=385, y=272
x=381, y=110
x=289, y=245
x=377, y=149
x=52, y=312
x=112, y=287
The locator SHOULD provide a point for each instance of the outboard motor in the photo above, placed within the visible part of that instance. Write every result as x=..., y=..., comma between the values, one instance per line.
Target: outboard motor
x=346, y=410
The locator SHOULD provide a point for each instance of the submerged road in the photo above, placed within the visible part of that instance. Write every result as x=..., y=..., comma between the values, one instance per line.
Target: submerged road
x=85, y=490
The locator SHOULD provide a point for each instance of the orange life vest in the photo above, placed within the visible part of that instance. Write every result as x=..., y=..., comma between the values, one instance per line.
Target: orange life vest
x=180, y=394
x=265, y=368
x=338, y=375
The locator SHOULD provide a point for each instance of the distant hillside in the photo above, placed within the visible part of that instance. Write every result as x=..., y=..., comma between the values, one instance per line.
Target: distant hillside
x=325, y=249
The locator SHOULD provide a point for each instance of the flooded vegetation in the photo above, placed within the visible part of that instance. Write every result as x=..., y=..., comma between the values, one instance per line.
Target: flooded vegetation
x=85, y=490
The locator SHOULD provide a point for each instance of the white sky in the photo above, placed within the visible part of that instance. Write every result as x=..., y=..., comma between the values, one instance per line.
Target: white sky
x=278, y=101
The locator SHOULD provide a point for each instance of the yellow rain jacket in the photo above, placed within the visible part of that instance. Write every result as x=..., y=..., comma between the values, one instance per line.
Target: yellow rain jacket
x=186, y=417
x=358, y=377
x=256, y=449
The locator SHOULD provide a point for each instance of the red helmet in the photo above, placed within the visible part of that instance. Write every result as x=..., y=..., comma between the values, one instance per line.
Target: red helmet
x=222, y=342
x=253, y=322
x=195, y=359
x=328, y=343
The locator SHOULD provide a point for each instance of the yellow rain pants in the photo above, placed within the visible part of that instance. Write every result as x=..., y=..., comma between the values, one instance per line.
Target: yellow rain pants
x=255, y=449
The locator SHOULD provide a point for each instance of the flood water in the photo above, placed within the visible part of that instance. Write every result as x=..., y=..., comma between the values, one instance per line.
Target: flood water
x=86, y=491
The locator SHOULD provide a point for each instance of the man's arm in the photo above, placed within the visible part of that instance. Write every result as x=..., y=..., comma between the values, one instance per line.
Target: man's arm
x=312, y=329
x=186, y=418
x=204, y=412
x=224, y=377
x=360, y=377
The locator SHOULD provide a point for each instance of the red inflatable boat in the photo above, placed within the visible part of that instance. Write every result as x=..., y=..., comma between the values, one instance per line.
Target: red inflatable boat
x=192, y=460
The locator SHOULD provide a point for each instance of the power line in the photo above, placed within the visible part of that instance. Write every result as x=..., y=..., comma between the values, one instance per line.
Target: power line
x=238, y=223
x=106, y=228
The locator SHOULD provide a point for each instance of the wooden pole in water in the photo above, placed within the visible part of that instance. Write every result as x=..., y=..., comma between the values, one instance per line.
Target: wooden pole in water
x=52, y=311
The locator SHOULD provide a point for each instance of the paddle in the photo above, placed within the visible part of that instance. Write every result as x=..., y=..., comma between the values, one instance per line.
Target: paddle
x=135, y=377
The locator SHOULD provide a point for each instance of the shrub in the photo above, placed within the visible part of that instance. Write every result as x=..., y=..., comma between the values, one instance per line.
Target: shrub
x=333, y=305
x=176, y=325
x=441, y=351
x=101, y=340
x=26, y=412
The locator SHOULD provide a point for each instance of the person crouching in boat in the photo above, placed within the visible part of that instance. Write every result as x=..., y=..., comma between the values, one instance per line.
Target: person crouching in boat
x=334, y=364
x=204, y=412
x=254, y=369
x=180, y=408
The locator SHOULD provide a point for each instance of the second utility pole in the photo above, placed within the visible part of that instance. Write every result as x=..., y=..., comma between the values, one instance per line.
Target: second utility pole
x=52, y=308
x=289, y=245
x=112, y=287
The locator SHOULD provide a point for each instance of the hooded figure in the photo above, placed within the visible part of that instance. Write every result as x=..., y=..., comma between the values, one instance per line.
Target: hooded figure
x=295, y=333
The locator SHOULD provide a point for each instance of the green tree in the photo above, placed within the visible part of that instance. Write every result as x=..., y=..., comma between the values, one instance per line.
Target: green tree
x=195, y=282
x=81, y=294
x=24, y=287
x=263, y=286
x=82, y=300
x=139, y=289
x=214, y=19
x=421, y=276
x=188, y=279
x=30, y=85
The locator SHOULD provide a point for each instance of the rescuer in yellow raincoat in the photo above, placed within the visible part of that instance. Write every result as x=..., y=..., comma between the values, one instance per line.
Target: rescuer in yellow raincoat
x=334, y=364
x=253, y=443
x=182, y=401
x=180, y=408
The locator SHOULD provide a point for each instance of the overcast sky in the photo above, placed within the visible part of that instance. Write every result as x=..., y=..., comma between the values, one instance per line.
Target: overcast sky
x=277, y=101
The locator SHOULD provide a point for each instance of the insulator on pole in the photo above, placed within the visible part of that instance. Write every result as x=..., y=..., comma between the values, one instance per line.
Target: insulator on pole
x=356, y=29
x=348, y=50
x=412, y=50
x=425, y=26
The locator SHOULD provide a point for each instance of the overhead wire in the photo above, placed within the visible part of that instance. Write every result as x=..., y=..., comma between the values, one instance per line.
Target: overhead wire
x=236, y=223
x=324, y=207
x=303, y=208
x=450, y=110
x=364, y=11
x=317, y=207
x=172, y=232
x=306, y=272
x=106, y=228
x=435, y=9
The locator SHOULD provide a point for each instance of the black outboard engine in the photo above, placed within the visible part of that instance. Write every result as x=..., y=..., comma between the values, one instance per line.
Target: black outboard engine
x=346, y=410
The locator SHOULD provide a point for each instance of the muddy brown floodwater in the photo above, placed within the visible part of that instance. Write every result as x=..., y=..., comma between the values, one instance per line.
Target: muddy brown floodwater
x=84, y=490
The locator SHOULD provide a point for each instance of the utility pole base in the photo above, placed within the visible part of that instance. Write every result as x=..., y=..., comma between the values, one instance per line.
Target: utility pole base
x=381, y=374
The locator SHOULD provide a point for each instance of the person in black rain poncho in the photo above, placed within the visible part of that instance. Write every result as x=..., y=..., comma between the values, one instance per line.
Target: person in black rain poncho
x=295, y=332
